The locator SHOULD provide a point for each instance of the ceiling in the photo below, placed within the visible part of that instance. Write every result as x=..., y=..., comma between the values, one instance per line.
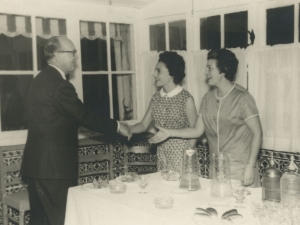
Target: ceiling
x=126, y=3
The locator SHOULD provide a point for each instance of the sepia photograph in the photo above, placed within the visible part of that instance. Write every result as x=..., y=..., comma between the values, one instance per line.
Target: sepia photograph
x=149, y=112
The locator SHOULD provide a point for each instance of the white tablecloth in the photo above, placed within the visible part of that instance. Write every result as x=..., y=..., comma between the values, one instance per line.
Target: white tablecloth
x=99, y=206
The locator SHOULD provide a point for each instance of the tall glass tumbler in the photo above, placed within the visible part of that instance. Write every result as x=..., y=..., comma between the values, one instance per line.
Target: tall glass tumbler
x=221, y=185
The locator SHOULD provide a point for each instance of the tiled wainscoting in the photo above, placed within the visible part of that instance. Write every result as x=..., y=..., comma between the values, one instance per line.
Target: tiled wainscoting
x=281, y=161
x=12, y=157
x=118, y=160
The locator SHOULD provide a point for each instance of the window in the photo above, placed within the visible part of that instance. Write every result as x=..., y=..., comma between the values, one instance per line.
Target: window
x=107, y=54
x=235, y=32
x=96, y=91
x=176, y=36
x=158, y=37
x=16, y=65
x=13, y=91
x=210, y=32
x=280, y=25
x=15, y=42
x=93, y=50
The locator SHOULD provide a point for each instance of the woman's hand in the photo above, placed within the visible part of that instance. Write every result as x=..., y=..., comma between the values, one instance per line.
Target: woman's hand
x=248, y=175
x=160, y=136
x=125, y=130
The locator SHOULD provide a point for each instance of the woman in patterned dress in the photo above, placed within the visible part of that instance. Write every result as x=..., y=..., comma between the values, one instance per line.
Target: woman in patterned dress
x=172, y=107
x=229, y=117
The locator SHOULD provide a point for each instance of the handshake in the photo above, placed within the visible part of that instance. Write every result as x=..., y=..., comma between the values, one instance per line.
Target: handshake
x=161, y=135
x=124, y=130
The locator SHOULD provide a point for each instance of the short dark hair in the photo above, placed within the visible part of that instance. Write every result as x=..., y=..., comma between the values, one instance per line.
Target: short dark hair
x=226, y=62
x=175, y=65
x=52, y=45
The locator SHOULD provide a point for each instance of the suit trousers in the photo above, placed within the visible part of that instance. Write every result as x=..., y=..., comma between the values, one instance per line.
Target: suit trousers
x=48, y=199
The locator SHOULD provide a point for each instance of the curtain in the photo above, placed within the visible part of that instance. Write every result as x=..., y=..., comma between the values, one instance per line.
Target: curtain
x=149, y=61
x=274, y=81
x=47, y=27
x=14, y=25
x=199, y=86
x=93, y=30
x=242, y=72
x=123, y=58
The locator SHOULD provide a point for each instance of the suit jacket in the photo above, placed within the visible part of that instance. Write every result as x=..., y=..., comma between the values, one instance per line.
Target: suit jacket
x=54, y=116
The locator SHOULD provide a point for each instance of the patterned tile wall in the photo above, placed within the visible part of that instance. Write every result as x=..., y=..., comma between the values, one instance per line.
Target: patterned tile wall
x=9, y=158
x=203, y=156
x=95, y=166
x=281, y=162
x=142, y=158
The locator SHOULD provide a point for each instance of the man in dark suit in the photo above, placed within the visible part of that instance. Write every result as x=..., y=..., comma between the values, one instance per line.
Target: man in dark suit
x=50, y=160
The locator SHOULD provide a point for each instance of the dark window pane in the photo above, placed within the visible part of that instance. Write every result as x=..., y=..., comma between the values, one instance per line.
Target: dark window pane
x=40, y=42
x=93, y=46
x=15, y=53
x=122, y=48
x=280, y=25
x=96, y=93
x=236, y=30
x=177, y=35
x=93, y=54
x=124, y=98
x=210, y=32
x=13, y=92
x=158, y=37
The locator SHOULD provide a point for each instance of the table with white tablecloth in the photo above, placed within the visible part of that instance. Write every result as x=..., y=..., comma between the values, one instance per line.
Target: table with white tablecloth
x=99, y=206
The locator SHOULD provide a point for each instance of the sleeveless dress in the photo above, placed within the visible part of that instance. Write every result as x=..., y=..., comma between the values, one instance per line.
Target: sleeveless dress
x=170, y=113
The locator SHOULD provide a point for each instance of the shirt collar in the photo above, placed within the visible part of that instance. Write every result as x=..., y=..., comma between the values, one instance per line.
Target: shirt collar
x=172, y=93
x=59, y=70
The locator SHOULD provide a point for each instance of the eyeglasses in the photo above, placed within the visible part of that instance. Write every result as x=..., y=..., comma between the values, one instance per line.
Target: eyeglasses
x=73, y=52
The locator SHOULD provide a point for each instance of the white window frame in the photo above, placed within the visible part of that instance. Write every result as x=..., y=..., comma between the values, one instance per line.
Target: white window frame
x=163, y=20
x=219, y=12
x=73, y=13
x=109, y=73
x=263, y=7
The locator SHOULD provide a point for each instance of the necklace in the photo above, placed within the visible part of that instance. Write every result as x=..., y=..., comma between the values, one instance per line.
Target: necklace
x=225, y=94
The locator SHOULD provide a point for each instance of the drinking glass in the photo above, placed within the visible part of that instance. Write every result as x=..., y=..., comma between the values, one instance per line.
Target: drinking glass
x=221, y=184
x=164, y=170
x=240, y=194
x=143, y=181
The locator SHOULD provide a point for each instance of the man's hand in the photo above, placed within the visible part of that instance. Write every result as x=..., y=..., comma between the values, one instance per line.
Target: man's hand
x=125, y=130
x=160, y=136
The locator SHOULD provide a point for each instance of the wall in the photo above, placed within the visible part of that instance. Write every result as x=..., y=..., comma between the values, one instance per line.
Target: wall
x=191, y=11
x=73, y=12
x=166, y=10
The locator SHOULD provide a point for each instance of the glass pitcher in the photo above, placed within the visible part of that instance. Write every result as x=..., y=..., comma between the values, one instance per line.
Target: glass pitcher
x=221, y=185
x=189, y=174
